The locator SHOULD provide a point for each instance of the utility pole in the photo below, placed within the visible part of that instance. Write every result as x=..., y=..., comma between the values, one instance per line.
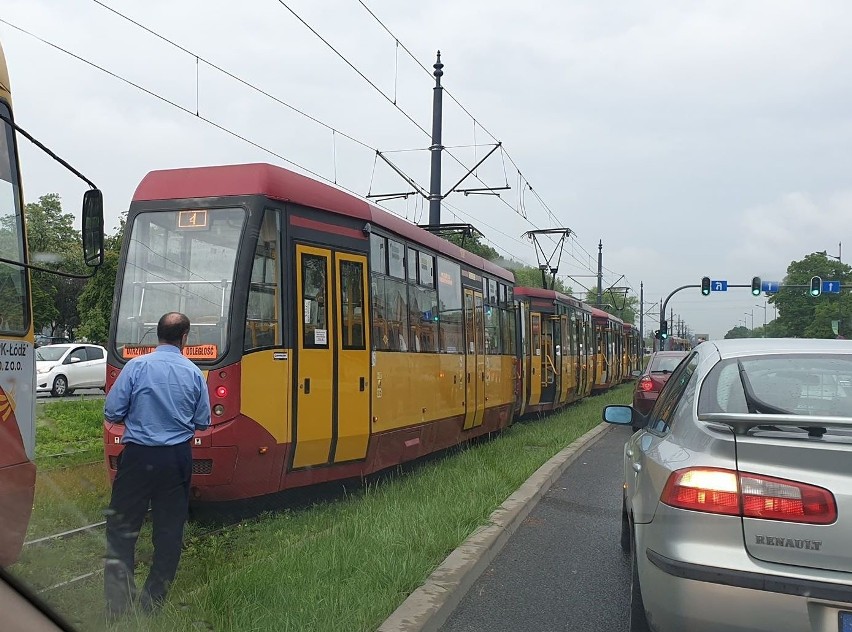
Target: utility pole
x=437, y=148
x=600, y=273
x=642, y=314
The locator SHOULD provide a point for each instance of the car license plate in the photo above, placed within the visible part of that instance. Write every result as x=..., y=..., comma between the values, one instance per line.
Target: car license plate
x=846, y=622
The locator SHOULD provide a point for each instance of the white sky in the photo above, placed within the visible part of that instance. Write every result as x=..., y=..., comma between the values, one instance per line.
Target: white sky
x=693, y=138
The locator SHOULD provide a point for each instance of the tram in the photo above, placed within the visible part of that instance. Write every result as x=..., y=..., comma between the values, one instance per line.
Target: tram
x=555, y=350
x=609, y=346
x=17, y=355
x=399, y=343
x=632, y=355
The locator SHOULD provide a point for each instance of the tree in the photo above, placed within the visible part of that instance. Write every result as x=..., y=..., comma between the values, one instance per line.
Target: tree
x=805, y=316
x=739, y=332
x=54, y=243
x=95, y=301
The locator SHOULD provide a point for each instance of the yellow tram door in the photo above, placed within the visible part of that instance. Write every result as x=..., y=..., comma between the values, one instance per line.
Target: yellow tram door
x=536, y=359
x=353, y=358
x=332, y=419
x=474, y=359
x=565, y=359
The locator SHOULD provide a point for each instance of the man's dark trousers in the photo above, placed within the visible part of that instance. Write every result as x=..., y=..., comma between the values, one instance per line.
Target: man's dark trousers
x=159, y=475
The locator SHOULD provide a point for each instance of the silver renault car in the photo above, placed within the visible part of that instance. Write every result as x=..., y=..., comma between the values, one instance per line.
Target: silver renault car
x=738, y=491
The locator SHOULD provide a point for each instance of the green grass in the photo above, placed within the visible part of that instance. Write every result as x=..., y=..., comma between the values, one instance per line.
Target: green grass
x=342, y=565
x=68, y=433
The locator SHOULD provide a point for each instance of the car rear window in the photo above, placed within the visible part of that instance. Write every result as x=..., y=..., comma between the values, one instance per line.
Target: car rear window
x=797, y=384
x=665, y=364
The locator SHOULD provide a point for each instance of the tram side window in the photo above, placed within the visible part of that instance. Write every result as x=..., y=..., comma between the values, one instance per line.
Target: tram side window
x=492, y=330
x=352, y=304
x=508, y=330
x=427, y=272
x=263, y=328
x=395, y=333
x=450, y=307
x=314, y=279
x=396, y=262
x=412, y=265
x=423, y=310
x=378, y=254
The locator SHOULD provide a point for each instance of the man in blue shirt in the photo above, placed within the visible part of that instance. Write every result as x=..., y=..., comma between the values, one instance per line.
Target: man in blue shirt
x=162, y=399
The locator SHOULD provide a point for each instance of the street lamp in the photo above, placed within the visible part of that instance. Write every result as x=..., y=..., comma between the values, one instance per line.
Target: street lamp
x=840, y=278
x=752, y=317
x=764, y=317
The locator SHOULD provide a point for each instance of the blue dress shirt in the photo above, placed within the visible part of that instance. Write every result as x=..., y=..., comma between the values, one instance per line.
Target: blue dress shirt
x=162, y=398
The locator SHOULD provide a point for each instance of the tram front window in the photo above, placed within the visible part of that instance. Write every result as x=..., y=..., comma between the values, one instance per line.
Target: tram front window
x=179, y=261
x=13, y=297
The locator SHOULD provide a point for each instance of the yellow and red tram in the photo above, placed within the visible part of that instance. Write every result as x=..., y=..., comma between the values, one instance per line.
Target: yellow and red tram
x=336, y=338
x=609, y=343
x=633, y=352
x=555, y=349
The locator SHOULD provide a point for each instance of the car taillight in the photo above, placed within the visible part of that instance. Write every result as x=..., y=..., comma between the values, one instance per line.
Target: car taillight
x=748, y=495
x=646, y=384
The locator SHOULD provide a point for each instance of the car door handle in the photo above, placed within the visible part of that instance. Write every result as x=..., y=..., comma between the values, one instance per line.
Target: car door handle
x=628, y=452
x=637, y=467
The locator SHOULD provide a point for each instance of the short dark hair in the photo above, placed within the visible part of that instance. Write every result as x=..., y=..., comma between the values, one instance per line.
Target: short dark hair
x=171, y=327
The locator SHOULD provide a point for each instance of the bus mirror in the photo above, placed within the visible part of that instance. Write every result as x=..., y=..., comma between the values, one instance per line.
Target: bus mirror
x=93, y=227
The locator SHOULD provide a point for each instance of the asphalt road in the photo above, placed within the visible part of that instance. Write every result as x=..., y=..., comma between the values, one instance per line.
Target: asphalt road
x=563, y=569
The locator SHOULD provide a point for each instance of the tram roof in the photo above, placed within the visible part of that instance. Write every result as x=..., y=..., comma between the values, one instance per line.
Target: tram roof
x=599, y=313
x=550, y=295
x=287, y=186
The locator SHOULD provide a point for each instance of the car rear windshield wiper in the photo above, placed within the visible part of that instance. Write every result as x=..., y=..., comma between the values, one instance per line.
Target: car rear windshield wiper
x=755, y=405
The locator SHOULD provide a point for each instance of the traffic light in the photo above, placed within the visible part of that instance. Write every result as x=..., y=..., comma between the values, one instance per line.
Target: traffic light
x=816, y=286
x=755, y=286
x=664, y=330
x=705, y=286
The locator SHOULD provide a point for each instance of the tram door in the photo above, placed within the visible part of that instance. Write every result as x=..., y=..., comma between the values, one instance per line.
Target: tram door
x=332, y=417
x=474, y=359
x=537, y=362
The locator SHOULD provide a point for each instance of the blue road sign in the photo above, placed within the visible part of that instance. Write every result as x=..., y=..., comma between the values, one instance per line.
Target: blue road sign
x=770, y=287
x=719, y=286
x=831, y=287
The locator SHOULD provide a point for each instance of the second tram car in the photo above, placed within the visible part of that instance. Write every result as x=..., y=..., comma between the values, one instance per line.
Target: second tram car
x=336, y=339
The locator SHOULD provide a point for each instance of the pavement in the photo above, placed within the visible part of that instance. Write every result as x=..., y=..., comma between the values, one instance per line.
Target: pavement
x=539, y=582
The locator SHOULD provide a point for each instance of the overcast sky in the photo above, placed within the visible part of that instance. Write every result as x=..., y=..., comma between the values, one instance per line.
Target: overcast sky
x=692, y=138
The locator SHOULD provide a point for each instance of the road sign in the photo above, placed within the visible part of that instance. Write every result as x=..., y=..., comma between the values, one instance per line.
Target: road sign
x=719, y=286
x=770, y=287
x=831, y=287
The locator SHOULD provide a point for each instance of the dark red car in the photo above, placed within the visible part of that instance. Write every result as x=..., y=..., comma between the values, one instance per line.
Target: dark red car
x=654, y=377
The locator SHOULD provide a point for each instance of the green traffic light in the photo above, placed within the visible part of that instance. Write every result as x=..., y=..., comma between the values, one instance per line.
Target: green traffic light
x=755, y=286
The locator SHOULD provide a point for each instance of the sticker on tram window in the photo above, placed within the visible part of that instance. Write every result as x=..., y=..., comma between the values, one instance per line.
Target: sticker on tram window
x=201, y=352
x=192, y=219
x=320, y=337
x=193, y=352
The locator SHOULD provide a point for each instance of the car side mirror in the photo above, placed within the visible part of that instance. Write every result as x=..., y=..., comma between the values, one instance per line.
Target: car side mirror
x=624, y=416
x=73, y=360
x=93, y=227
x=636, y=373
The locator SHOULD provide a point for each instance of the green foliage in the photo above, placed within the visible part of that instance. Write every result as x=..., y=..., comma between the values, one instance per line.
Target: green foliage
x=95, y=301
x=528, y=276
x=472, y=243
x=805, y=316
x=739, y=332
x=54, y=243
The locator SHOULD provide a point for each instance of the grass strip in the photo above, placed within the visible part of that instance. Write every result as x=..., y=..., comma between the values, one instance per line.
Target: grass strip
x=346, y=565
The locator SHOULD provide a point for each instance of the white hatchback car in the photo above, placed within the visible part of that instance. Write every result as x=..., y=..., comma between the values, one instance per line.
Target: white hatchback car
x=62, y=368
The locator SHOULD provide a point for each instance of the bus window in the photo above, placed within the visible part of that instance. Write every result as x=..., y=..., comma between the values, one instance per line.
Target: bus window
x=263, y=328
x=13, y=297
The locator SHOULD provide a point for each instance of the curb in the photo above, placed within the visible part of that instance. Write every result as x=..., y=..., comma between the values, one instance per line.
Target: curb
x=429, y=607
